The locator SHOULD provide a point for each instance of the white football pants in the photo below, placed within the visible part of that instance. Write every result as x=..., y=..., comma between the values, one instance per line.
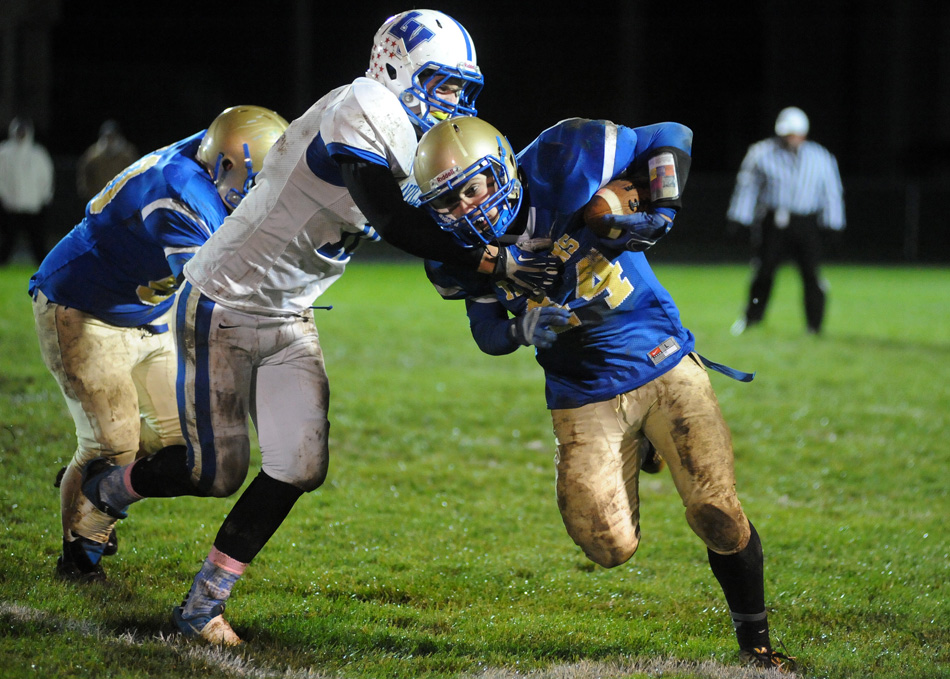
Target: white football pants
x=233, y=364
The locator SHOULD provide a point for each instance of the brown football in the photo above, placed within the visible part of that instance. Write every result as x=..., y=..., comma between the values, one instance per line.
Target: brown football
x=617, y=197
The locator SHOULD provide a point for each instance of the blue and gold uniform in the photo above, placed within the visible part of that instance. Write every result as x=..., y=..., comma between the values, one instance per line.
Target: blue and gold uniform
x=623, y=382
x=102, y=302
x=120, y=262
x=625, y=328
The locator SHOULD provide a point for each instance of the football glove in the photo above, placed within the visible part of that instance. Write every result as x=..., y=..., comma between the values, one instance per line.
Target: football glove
x=639, y=231
x=529, y=265
x=535, y=327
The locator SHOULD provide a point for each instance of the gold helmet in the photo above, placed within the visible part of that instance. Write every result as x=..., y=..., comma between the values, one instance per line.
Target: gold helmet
x=234, y=146
x=449, y=155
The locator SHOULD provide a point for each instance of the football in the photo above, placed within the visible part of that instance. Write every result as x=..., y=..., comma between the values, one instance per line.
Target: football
x=617, y=197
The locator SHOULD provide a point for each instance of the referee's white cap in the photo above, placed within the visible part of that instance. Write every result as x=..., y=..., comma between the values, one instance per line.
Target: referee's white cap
x=791, y=120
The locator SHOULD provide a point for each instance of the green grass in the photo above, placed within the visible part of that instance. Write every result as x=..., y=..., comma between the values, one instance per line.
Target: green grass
x=435, y=548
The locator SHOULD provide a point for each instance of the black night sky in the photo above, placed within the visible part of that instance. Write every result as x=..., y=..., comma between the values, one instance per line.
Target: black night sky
x=873, y=77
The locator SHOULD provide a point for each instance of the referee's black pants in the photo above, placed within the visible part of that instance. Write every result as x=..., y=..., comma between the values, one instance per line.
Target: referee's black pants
x=801, y=242
x=31, y=226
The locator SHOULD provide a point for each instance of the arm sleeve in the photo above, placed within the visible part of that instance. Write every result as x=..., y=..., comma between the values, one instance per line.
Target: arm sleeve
x=663, y=158
x=832, y=213
x=745, y=196
x=490, y=327
x=377, y=195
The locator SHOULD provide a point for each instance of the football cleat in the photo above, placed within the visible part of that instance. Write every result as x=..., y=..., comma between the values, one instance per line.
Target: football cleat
x=212, y=627
x=650, y=460
x=764, y=657
x=74, y=565
x=112, y=544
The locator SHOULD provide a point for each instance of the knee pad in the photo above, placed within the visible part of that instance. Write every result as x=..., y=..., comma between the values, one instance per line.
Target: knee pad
x=725, y=530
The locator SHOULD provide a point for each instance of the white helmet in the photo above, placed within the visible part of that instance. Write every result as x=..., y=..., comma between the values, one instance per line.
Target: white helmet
x=417, y=52
x=448, y=156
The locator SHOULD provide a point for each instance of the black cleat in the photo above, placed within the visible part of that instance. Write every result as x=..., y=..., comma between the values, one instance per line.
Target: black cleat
x=765, y=658
x=112, y=544
x=74, y=565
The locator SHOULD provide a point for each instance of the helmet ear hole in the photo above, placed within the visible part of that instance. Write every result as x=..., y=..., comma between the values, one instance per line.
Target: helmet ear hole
x=226, y=164
x=391, y=71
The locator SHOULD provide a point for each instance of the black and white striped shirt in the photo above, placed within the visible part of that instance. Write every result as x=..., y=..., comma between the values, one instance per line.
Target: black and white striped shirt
x=773, y=178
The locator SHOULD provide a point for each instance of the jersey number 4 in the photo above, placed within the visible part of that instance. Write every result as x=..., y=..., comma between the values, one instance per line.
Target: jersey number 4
x=598, y=276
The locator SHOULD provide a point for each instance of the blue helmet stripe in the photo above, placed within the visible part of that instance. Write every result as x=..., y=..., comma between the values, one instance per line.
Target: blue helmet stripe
x=469, y=50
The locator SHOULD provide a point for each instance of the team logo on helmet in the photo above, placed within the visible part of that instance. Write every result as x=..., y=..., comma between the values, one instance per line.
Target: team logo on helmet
x=411, y=32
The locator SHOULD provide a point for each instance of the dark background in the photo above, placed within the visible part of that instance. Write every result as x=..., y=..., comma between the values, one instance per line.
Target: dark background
x=873, y=77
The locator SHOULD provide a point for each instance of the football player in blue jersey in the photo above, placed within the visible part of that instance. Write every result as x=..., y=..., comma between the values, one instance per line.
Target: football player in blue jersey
x=102, y=297
x=623, y=381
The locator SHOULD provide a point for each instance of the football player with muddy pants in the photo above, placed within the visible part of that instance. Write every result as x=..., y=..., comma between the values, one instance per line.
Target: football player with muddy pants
x=624, y=384
x=102, y=299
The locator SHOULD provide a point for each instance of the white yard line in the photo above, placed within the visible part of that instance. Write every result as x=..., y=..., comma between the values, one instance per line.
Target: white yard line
x=237, y=665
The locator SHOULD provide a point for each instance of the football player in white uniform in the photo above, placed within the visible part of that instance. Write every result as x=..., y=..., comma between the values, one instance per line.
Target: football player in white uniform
x=245, y=331
x=103, y=295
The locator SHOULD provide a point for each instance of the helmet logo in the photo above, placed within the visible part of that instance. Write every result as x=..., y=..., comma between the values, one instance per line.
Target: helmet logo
x=445, y=176
x=411, y=32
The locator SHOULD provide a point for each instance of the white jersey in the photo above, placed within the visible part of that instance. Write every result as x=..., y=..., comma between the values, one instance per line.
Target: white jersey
x=291, y=236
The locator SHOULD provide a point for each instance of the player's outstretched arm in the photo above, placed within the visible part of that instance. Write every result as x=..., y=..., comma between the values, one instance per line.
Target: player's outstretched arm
x=411, y=229
x=377, y=195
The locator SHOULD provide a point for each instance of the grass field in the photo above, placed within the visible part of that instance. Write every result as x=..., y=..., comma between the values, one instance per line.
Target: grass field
x=435, y=549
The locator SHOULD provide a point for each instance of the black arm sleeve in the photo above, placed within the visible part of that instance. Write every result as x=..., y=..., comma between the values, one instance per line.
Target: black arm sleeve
x=411, y=229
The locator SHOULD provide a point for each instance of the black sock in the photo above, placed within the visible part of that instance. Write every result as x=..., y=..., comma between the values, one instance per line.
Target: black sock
x=255, y=516
x=742, y=580
x=165, y=473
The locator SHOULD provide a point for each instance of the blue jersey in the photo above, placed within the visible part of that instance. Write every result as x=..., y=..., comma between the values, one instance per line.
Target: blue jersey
x=625, y=329
x=114, y=264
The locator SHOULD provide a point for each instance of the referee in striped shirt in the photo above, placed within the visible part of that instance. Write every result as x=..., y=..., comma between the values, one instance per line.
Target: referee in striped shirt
x=788, y=187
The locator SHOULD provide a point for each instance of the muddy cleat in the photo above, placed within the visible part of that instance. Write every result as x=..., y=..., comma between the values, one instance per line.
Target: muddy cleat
x=650, y=460
x=74, y=564
x=213, y=628
x=766, y=658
